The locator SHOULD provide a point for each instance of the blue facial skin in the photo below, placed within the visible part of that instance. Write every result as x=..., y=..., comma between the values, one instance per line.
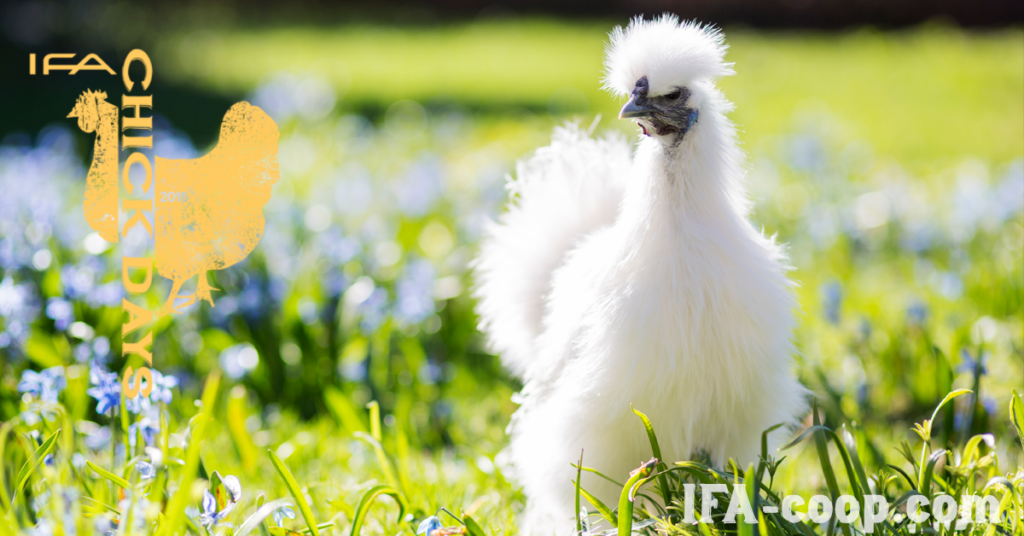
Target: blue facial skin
x=667, y=114
x=691, y=120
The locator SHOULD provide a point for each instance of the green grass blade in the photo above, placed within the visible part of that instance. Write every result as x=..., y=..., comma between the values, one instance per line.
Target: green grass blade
x=472, y=527
x=749, y=487
x=905, y=475
x=821, y=445
x=998, y=481
x=697, y=470
x=236, y=416
x=666, y=493
x=344, y=411
x=637, y=479
x=903, y=499
x=321, y=526
x=971, y=449
x=851, y=449
x=602, y=475
x=108, y=475
x=579, y=473
x=262, y=512
x=364, y=505
x=927, y=470
x=34, y=461
x=374, y=408
x=764, y=439
x=382, y=458
x=764, y=449
x=1017, y=415
x=854, y=468
x=175, y=511
x=89, y=502
x=804, y=435
x=950, y=396
x=296, y=491
x=5, y=430
x=601, y=507
x=125, y=427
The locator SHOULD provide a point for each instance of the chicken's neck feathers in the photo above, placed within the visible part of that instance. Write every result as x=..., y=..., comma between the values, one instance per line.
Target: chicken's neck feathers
x=688, y=190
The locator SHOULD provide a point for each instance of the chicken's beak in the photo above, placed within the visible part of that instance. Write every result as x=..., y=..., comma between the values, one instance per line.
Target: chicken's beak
x=72, y=114
x=632, y=109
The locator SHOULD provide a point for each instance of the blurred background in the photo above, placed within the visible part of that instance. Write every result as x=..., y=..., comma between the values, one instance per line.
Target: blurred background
x=885, y=143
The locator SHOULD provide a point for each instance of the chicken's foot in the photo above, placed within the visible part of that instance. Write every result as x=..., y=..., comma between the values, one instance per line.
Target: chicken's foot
x=203, y=288
x=170, y=307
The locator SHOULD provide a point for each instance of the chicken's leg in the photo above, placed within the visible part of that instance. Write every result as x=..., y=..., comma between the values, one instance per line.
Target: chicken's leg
x=203, y=288
x=169, y=306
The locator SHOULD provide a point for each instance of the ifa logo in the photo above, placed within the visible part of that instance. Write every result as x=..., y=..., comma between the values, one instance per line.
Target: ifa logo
x=90, y=62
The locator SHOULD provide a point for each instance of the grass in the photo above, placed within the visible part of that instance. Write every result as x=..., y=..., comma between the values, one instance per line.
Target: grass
x=964, y=471
x=887, y=162
x=914, y=94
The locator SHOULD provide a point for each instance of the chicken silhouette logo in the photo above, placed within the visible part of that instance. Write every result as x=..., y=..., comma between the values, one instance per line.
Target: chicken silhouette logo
x=97, y=115
x=208, y=210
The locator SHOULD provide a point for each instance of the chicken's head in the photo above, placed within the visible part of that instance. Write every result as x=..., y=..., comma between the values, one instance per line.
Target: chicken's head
x=87, y=110
x=665, y=67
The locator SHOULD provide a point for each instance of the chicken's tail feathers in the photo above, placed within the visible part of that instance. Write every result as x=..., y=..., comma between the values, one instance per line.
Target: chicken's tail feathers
x=560, y=194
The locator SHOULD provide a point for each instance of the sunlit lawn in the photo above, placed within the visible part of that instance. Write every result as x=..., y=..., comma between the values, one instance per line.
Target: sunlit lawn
x=924, y=94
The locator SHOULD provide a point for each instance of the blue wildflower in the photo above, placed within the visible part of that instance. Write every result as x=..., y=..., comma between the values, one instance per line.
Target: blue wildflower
x=353, y=370
x=18, y=307
x=77, y=281
x=238, y=360
x=252, y=301
x=82, y=352
x=104, y=524
x=12, y=296
x=61, y=311
x=429, y=525
x=283, y=512
x=806, y=153
x=211, y=517
x=948, y=284
x=106, y=389
x=97, y=438
x=969, y=364
x=46, y=384
x=101, y=349
x=917, y=313
x=135, y=507
x=108, y=294
x=146, y=470
x=415, y=293
x=420, y=187
x=43, y=528
x=138, y=404
x=373, y=310
x=147, y=426
x=337, y=247
x=832, y=300
x=162, y=385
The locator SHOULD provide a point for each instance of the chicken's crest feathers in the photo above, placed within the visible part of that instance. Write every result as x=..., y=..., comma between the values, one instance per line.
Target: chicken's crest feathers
x=668, y=52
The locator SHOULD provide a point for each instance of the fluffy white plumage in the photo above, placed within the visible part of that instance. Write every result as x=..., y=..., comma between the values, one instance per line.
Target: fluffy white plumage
x=618, y=278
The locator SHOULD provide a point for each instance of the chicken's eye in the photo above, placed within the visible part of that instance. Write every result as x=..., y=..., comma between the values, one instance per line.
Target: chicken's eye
x=675, y=94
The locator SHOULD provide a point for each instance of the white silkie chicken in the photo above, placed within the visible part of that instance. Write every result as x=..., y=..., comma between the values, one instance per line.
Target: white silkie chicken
x=618, y=279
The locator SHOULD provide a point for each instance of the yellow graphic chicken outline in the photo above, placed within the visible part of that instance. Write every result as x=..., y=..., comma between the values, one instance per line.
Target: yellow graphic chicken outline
x=208, y=210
